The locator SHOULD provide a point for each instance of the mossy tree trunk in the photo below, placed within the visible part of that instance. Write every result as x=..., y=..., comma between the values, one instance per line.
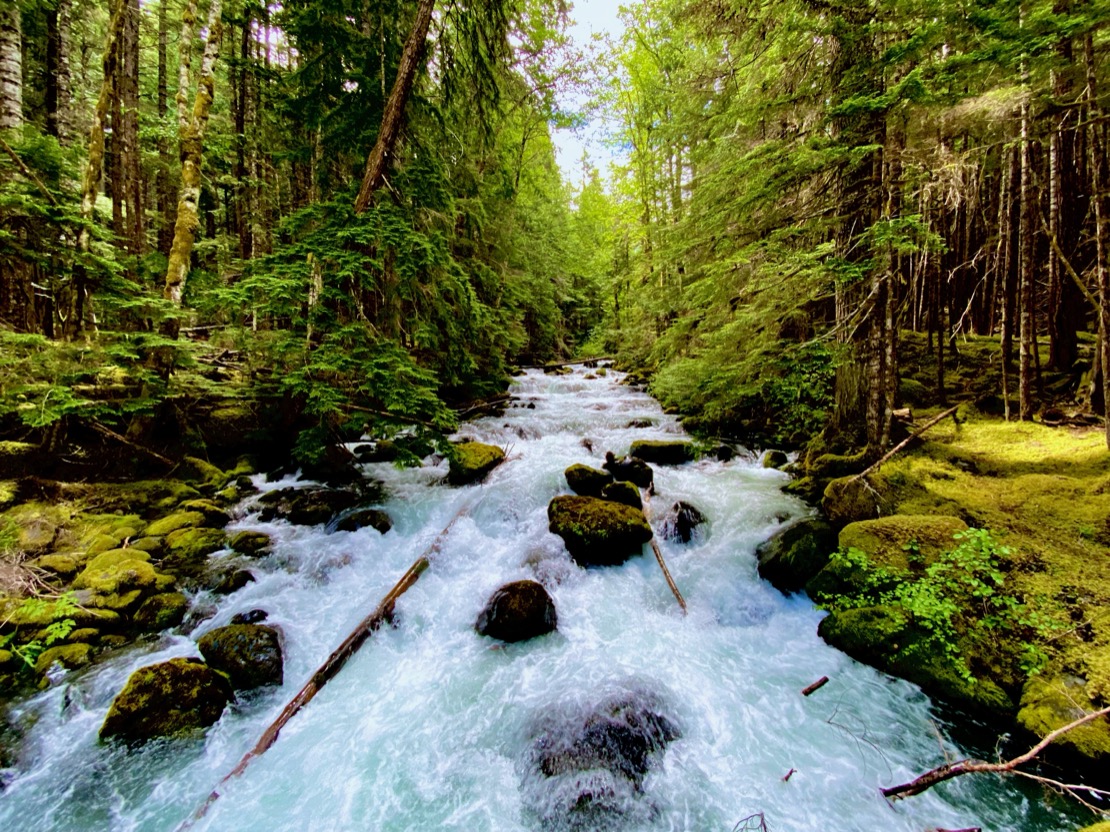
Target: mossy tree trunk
x=11, y=68
x=1100, y=181
x=191, y=126
x=1025, y=234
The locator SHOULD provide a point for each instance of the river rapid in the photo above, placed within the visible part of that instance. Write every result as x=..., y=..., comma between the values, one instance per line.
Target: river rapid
x=429, y=726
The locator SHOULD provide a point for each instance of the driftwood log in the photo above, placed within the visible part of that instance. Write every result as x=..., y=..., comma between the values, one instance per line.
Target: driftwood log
x=663, y=563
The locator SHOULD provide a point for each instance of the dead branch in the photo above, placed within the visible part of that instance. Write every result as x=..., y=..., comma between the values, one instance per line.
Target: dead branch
x=816, y=686
x=99, y=428
x=950, y=770
x=663, y=563
x=885, y=457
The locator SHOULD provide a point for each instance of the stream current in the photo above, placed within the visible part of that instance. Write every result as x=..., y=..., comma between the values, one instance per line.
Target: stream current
x=429, y=726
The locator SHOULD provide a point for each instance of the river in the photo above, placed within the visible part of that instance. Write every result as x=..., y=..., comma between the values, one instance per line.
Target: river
x=429, y=726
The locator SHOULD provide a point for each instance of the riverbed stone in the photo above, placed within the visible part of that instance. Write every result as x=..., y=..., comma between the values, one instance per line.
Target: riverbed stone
x=472, y=461
x=586, y=481
x=189, y=547
x=681, y=522
x=796, y=553
x=255, y=616
x=1049, y=702
x=69, y=656
x=775, y=459
x=250, y=655
x=161, y=612
x=375, y=518
x=518, y=611
x=225, y=583
x=250, y=543
x=635, y=471
x=598, y=532
x=662, y=451
x=623, y=492
x=214, y=516
x=169, y=699
x=174, y=522
x=306, y=506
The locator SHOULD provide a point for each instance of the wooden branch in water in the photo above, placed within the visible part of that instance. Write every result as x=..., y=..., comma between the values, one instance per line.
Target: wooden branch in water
x=816, y=686
x=950, y=770
x=886, y=457
x=663, y=563
x=334, y=663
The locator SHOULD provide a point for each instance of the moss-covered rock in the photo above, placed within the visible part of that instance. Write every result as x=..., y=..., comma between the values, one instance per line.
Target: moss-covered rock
x=586, y=481
x=471, y=461
x=848, y=499
x=249, y=654
x=170, y=699
x=518, y=611
x=252, y=544
x=117, y=571
x=375, y=518
x=69, y=656
x=214, y=516
x=598, y=532
x=173, y=522
x=883, y=638
x=635, y=471
x=662, y=451
x=192, y=545
x=1104, y=826
x=912, y=392
x=775, y=459
x=306, y=506
x=18, y=459
x=83, y=635
x=1051, y=702
x=161, y=612
x=64, y=566
x=623, y=492
x=794, y=555
x=153, y=546
x=901, y=540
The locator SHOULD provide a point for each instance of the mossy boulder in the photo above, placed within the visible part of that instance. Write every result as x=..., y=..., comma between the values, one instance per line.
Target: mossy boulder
x=161, y=612
x=249, y=654
x=115, y=575
x=1104, y=826
x=518, y=611
x=471, y=461
x=64, y=566
x=174, y=698
x=174, y=522
x=69, y=656
x=188, y=549
x=682, y=522
x=363, y=517
x=796, y=553
x=586, y=481
x=848, y=499
x=623, y=492
x=1051, y=702
x=153, y=546
x=775, y=459
x=912, y=392
x=18, y=459
x=225, y=583
x=635, y=471
x=252, y=544
x=306, y=506
x=662, y=451
x=883, y=637
x=598, y=532
x=214, y=516
x=384, y=450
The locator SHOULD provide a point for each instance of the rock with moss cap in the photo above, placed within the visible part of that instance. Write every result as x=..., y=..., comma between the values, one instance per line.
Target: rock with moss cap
x=375, y=518
x=472, y=461
x=18, y=459
x=883, y=637
x=635, y=471
x=214, y=516
x=251, y=544
x=306, y=506
x=795, y=554
x=623, y=492
x=174, y=698
x=175, y=522
x=69, y=656
x=662, y=451
x=682, y=522
x=518, y=611
x=160, y=612
x=249, y=654
x=586, y=481
x=598, y=532
x=1051, y=702
x=775, y=459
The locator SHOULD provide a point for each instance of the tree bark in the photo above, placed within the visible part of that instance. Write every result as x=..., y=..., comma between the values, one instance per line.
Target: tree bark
x=163, y=187
x=1099, y=183
x=59, y=115
x=382, y=152
x=130, y=185
x=191, y=140
x=11, y=68
x=1025, y=234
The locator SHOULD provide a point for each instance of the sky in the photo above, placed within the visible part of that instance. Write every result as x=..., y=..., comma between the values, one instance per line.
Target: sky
x=588, y=17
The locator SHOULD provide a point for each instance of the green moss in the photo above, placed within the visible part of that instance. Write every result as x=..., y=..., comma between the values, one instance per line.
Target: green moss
x=1050, y=702
x=189, y=547
x=901, y=541
x=849, y=499
x=162, y=611
x=174, y=522
x=17, y=459
x=796, y=554
x=84, y=635
x=586, y=481
x=116, y=572
x=150, y=545
x=471, y=461
x=64, y=566
x=69, y=656
x=214, y=516
x=598, y=532
x=8, y=493
x=1104, y=826
x=250, y=543
x=662, y=452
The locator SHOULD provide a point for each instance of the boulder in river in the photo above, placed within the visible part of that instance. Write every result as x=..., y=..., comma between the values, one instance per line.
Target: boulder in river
x=255, y=616
x=623, y=492
x=635, y=471
x=471, y=461
x=598, y=532
x=518, y=611
x=662, y=451
x=169, y=699
x=160, y=612
x=775, y=459
x=363, y=517
x=252, y=544
x=797, y=553
x=682, y=522
x=306, y=506
x=586, y=481
x=248, y=654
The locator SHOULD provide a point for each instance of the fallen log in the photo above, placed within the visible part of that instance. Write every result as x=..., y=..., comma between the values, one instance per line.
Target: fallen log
x=816, y=686
x=663, y=563
x=331, y=667
x=886, y=457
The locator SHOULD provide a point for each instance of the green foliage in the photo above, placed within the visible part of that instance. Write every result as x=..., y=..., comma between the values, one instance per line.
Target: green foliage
x=58, y=609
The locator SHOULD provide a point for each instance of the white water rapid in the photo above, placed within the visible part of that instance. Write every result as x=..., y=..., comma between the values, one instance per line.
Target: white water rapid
x=429, y=726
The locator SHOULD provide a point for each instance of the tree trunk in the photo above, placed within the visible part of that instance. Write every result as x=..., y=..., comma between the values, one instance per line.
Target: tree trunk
x=1025, y=242
x=383, y=148
x=11, y=68
x=1099, y=183
x=130, y=152
x=59, y=115
x=163, y=187
x=191, y=138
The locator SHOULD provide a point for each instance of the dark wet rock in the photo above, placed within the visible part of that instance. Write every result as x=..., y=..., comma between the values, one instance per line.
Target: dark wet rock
x=682, y=522
x=661, y=451
x=232, y=581
x=640, y=424
x=598, y=532
x=471, y=461
x=249, y=654
x=173, y=698
x=586, y=481
x=623, y=492
x=382, y=451
x=518, y=611
x=775, y=459
x=724, y=453
x=337, y=468
x=251, y=544
x=160, y=612
x=796, y=554
x=306, y=506
x=363, y=517
x=635, y=471
x=250, y=617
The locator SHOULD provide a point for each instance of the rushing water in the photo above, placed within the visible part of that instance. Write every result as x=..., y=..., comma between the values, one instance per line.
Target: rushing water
x=429, y=725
